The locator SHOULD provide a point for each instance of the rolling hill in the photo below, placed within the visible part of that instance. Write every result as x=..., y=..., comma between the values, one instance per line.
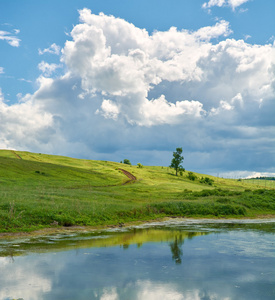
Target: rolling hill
x=42, y=191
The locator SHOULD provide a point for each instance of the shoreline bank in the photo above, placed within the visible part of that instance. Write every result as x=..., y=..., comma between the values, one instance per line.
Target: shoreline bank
x=86, y=229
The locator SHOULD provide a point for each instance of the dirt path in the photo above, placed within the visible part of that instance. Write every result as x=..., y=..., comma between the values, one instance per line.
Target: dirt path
x=17, y=155
x=129, y=175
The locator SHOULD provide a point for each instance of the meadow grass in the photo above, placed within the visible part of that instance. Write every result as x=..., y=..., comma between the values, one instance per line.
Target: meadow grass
x=39, y=191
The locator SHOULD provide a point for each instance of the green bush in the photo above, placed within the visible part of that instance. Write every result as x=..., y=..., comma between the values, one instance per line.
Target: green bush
x=191, y=176
x=181, y=170
x=207, y=180
x=202, y=209
x=127, y=161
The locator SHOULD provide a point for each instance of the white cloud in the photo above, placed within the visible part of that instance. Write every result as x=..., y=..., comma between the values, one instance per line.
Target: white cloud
x=109, y=109
x=25, y=80
x=1, y=96
x=19, y=282
x=148, y=290
x=127, y=66
x=211, y=3
x=9, y=38
x=160, y=111
x=236, y=3
x=245, y=174
x=47, y=68
x=259, y=174
x=2, y=70
x=152, y=290
x=127, y=92
x=53, y=49
x=109, y=294
x=221, y=3
x=23, y=123
x=223, y=106
x=211, y=32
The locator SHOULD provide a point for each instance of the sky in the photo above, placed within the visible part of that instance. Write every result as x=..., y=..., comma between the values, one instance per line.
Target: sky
x=111, y=80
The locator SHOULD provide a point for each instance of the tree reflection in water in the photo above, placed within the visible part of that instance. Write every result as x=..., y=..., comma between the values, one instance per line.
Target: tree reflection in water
x=176, y=246
x=176, y=249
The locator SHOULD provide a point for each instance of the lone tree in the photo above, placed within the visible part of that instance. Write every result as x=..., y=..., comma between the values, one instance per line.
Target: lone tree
x=177, y=160
x=126, y=161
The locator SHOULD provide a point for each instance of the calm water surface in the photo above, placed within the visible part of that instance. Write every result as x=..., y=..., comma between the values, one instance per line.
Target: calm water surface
x=180, y=259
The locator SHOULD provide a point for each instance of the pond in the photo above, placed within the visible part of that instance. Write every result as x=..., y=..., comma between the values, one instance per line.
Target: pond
x=176, y=259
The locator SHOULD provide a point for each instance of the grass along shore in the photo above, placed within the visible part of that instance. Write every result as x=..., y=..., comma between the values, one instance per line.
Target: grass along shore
x=43, y=191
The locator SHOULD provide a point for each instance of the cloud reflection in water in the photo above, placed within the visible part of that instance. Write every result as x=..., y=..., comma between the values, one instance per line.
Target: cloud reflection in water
x=214, y=266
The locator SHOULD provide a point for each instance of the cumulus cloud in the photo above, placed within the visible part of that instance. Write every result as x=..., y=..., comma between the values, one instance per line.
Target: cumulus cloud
x=11, y=39
x=160, y=111
x=29, y=283
x=210, y=32
x=53, y=49
x=109, y=110
x=2, y=70
x=147, y=290
x=220, y=3
x=128, y=92
x=212, y=3
x=47, y=68
x=109, y=294
x=117, y=59
x=23, y=123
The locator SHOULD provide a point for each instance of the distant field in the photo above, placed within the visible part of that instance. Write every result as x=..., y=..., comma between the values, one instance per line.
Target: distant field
x=40, y=191
x=261, y=183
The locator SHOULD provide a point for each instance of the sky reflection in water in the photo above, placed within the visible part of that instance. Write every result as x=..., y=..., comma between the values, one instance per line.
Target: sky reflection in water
x=151, y=263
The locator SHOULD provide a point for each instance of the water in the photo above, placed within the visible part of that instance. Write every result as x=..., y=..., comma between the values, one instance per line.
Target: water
x=179, y=259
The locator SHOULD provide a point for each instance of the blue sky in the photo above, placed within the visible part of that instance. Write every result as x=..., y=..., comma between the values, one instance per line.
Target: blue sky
x=138, y=88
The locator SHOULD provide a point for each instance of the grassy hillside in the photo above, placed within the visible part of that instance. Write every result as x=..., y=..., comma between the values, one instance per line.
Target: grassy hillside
x=38, y=191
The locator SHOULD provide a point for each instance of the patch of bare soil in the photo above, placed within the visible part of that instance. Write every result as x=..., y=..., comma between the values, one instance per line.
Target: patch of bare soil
x=129, y=175
x=16, y=155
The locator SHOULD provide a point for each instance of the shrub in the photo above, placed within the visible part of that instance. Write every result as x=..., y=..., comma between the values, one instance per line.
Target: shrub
x=191, y=176
x=140, y=165
x=127, y=161
x=223, y=200
x=203, y=209
x=207, y=180
x=181, y=170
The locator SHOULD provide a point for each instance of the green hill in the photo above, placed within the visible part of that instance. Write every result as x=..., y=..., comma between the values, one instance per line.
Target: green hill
x=40, y=191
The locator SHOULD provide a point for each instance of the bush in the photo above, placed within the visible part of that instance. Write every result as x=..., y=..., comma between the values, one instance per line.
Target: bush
x=191, y=176
x=140, y=165
x=207, y=180
x=223, y=200
x=198, y=209
x=181, y=170
x=127, y=161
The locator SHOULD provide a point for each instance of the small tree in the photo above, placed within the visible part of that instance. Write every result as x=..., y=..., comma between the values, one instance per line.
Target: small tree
x=126, y=161
x=177, y=160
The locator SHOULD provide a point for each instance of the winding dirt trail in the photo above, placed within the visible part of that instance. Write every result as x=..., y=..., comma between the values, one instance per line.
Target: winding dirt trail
x=17, y=155
x=129, y=175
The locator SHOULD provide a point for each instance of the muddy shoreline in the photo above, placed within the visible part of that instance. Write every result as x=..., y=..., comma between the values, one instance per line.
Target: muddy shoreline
x=81, y=229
